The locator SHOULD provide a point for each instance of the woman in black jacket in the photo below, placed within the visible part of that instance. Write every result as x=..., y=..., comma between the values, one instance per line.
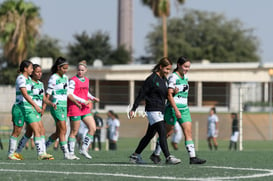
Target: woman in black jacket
x=154, y=91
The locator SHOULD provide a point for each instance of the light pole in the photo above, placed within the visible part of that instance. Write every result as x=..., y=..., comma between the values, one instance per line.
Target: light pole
x=270, y=72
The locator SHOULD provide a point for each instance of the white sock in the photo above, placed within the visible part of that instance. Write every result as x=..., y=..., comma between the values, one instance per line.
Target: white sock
x=39, y=145
x=64, y=147
x=12, y=144
x=190, y=148
x=87, y=140
x=22, y=144
x=43, y=144
x=71, y=145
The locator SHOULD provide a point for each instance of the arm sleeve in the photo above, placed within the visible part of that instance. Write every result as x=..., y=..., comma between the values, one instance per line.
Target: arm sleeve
x=90, y=96
x=71, y=89
x=142, y=93
x=50, y=86
x=171, y=82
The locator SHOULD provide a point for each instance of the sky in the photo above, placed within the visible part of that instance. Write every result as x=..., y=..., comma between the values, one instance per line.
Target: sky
x=64, y=18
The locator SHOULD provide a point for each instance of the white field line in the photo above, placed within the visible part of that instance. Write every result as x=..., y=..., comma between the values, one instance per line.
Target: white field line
x=268, y=172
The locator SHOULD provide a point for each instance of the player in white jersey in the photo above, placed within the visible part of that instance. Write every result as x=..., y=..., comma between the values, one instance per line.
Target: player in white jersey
x=177, y=109
x=57, y=92
x=27, y=109
x=39, y=98
x=113, y=125
x=212, y=128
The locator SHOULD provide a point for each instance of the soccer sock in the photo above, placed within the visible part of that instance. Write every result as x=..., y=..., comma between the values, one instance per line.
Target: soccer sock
x=43, y=143
x=190, y=148
x=87, y=140
x=12, y=144
x=64, y=146
x=49, y=142
x=157, y=150
x=22, y=144
x=71, y=144
x=39, y=145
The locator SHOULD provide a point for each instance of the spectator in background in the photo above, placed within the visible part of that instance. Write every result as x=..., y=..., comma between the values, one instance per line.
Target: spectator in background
x=213, y=128
x=113, y=125
x=235, y=132
x=97, y=135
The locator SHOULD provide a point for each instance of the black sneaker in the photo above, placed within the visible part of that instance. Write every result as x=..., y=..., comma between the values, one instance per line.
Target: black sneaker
x=196, y=160
x=155, y=158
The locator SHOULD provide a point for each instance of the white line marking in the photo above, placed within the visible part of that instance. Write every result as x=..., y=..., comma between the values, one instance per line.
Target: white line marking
x=269, y=172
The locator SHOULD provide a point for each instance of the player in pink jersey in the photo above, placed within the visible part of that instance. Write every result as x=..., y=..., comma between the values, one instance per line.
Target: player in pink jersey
x=79, y=85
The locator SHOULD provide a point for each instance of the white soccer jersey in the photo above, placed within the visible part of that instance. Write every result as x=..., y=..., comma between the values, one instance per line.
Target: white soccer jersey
x=113, y=126
x=181, y=98
x=22, y=81
x=57, y=88
x=212, y=120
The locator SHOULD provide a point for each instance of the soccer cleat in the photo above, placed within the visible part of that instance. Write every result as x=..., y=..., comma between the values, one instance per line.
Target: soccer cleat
x=195, y=160
x=18, y=155
x=45, y=156
x=172, y=160
x=85, y=153
x=155, y=158
x=67, y=156
x=13, y=156
x=74, y=157
x=136, y=159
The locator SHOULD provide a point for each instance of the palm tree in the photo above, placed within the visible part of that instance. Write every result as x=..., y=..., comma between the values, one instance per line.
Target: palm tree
x=19, y=26
x=161, y=8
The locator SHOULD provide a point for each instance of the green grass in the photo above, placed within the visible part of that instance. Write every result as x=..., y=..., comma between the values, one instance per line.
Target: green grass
x=254, y=162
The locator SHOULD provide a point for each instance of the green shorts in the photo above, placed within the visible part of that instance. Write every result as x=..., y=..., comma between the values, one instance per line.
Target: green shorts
x=171, y=119
x=30, y=114
x=17, y=116
x=78, y=118
x=60, y=114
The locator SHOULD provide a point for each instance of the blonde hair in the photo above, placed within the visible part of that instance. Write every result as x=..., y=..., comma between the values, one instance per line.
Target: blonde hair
x=83, y=63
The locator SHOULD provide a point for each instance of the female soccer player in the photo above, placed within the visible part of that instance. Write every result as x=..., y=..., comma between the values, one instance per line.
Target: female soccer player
x=79, y=88
x=28, y=111
x=177, y=109
x=113, y=125
x=57, y=92
x=154, y=91
x=39, y=98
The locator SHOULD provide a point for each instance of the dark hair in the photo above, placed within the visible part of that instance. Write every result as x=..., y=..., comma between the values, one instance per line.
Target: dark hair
x=60, y=61
x=214, y=110
x=234, y=114
x=35, y=66
x=24, y=64
x=164, y=62
x=180, y=61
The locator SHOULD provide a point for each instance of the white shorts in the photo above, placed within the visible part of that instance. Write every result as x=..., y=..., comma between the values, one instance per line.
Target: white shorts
x=212, y=133
x=114, y=136
x=234, y=136
x=155, y=117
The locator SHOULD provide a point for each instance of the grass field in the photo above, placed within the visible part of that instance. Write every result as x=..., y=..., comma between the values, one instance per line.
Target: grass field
x=254, y=163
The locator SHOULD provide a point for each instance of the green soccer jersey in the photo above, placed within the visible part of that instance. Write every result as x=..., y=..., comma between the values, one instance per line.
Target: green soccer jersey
x=57, y=88
x=180, y=98
x=38, y=93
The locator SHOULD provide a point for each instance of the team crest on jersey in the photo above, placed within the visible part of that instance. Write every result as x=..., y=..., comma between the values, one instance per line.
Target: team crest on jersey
x=157, y=84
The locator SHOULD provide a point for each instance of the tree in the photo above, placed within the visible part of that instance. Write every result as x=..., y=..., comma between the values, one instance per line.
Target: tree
x=96, y=46
x=203, y=35
x=46, y=47
x=19, y=26
x=161, y=8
